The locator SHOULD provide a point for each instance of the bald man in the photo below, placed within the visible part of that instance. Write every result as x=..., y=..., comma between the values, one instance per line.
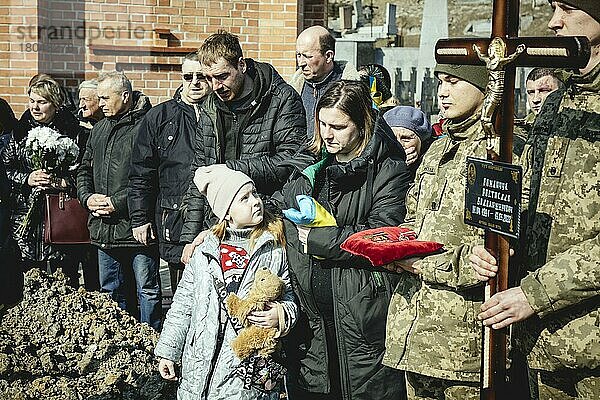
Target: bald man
x=317, y=70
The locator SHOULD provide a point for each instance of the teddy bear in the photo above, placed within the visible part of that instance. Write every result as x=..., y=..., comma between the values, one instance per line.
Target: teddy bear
x=266, y=287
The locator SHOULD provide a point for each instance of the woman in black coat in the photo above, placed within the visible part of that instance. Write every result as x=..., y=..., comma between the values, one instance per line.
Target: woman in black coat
x=11, y=277
x=360, y=177
x=45, y=108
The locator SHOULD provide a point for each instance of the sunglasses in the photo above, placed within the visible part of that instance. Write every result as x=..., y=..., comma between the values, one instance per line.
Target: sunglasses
x=190, y=77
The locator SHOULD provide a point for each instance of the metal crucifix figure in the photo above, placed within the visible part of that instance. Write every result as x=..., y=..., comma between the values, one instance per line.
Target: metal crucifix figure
x=505, y=51
x=495, y=61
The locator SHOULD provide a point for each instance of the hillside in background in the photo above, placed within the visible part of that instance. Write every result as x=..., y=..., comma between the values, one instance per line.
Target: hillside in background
x=461, y=13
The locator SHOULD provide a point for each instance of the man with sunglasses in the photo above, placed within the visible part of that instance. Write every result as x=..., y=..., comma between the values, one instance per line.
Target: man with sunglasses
x=253, y=122
x=160, y=164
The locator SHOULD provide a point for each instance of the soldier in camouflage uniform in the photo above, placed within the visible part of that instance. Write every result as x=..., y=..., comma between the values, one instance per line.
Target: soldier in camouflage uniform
x=432, y=328
x=558, y=300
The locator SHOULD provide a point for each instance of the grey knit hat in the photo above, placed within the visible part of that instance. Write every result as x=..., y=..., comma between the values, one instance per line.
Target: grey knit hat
x=591, y=7
x=220, y=185
x=476, y=75
x=409, y=118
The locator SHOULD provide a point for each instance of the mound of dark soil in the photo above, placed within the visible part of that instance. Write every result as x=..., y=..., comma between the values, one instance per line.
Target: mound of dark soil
x=60, y=343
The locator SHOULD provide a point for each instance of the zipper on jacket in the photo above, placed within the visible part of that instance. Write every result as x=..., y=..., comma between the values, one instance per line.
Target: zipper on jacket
x=407, y=339
x=342, y=359
x=238, y=136
x=215, y=358
x=215, y=126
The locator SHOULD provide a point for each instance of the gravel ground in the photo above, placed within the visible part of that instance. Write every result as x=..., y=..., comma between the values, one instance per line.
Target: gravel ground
x=67, y=344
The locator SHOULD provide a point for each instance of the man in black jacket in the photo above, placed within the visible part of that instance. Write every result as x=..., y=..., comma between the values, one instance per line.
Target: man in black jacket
x=102, y=183
x=253, y=122
x=160, y=165
x=88, y=114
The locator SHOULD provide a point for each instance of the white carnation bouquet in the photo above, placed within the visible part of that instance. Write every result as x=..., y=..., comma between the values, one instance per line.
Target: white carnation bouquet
x=47, y=149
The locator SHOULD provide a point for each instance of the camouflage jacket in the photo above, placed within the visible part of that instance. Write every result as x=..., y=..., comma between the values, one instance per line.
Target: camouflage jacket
x=562, y=169
x=432, y=326
x=521, y=132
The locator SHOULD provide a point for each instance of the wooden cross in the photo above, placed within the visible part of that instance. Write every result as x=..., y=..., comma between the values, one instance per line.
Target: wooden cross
x=502, y=54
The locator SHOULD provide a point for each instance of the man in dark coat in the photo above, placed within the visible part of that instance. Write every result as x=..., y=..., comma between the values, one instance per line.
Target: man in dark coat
x=102, y=188
x=253, y=122
x=88, y=114
x=160, y=165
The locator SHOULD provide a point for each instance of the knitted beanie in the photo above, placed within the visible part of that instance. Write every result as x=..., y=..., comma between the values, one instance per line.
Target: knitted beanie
x=220, y=185
x=409, y=118
x=476, y=75
x=591, y=7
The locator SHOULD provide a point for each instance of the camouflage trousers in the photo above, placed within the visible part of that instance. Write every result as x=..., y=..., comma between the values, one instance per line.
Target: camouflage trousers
x=422, y=387
x=567, y=385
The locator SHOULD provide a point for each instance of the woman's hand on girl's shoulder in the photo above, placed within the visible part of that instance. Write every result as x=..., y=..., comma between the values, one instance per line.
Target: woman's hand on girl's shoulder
x=188, y=249
x=167, y=369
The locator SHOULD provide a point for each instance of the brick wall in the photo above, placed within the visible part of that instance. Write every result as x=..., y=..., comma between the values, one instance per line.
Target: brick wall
x=315, y=13
x=18, y=58
x=74, y=40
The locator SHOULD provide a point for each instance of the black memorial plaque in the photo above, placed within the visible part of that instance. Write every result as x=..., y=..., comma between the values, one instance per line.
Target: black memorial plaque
x=493, y=196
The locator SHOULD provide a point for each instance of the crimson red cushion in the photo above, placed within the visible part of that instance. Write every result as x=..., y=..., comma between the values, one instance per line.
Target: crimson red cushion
x=383, y=245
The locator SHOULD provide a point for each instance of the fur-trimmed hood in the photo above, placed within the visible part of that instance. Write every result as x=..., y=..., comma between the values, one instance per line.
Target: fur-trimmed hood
x=349, y=72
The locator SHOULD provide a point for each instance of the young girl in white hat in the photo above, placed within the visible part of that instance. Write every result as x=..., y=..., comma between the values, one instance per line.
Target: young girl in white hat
x=197, y=330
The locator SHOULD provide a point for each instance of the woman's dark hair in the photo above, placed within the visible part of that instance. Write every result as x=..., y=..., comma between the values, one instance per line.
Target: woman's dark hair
x=353, y=99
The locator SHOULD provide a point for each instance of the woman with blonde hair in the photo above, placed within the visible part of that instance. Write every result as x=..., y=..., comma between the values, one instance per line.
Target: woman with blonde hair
x=45, y=109
x=198, y=331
